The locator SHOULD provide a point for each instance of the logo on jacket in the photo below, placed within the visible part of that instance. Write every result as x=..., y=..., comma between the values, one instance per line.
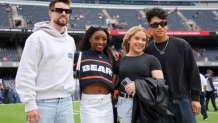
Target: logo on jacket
x=70, y=55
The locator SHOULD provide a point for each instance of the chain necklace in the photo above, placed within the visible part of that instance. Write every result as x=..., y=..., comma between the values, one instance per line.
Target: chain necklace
x=161, y=51
x=99, y=55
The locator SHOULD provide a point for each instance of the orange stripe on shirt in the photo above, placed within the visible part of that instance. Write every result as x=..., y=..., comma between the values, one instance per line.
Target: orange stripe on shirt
x=96, y=61
x=95, y=77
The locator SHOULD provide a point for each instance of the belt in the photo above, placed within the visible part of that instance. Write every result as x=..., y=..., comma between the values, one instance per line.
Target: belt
x=125, y=95
x=58, y=99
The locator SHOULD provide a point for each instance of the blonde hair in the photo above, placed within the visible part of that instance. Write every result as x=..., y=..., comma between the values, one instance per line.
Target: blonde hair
x=132, y=31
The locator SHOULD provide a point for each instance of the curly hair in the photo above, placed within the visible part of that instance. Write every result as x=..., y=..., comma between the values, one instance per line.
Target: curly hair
x=132, y=31
x=158, y=12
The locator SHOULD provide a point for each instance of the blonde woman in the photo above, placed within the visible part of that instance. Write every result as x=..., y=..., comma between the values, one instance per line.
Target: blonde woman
x=134, y=65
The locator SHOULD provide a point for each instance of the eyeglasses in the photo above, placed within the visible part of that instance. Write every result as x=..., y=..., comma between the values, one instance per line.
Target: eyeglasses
x=60, y=10
x=156, y=24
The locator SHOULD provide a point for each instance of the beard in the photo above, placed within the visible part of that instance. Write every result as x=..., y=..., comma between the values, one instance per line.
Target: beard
x=60, y=22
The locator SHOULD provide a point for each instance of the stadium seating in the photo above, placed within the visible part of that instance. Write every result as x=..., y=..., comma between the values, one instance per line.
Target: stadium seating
x=175, y=22
x=211, y=54
x=137, y=2
x=206, y=54
x=33, y=14
x=86, y=16
x=8, y=52
x=127, y=17
x=4, y=16
x=205, y=19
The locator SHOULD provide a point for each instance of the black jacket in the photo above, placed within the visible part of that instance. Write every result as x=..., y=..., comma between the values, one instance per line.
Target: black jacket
x=150, y=101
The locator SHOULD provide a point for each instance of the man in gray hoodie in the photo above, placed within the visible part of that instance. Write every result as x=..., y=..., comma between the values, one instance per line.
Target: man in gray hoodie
x=44, y=78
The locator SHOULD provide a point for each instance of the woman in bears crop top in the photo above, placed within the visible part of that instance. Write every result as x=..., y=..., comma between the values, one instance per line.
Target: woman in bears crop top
x=96, y=77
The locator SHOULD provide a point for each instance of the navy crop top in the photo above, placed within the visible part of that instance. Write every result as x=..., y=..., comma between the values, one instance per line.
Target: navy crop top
x=94, y=68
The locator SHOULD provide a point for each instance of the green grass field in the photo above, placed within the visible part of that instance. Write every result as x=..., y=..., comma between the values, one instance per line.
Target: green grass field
x=14, y=113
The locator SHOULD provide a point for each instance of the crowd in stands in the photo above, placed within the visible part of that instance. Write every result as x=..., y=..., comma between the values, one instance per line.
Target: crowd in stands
x=8, y=52
x=206, y=54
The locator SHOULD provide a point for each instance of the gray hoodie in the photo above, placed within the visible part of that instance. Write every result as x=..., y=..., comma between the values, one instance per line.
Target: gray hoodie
x=45, y=70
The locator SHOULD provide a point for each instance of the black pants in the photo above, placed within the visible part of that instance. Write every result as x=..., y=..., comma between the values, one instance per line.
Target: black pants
x=183, y=112
x=203, y=106
x=211, y=95
x=114, y=102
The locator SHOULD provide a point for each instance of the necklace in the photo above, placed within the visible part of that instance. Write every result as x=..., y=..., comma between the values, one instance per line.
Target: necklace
x=161, y=51
x=97, y=54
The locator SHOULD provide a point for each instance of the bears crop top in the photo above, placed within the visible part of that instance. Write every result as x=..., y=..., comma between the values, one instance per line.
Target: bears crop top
x=94, y=68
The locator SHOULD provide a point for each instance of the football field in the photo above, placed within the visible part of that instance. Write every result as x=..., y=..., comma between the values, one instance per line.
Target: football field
x=14, y=113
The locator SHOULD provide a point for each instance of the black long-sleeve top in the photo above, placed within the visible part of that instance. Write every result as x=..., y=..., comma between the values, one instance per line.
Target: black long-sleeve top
x=179, y=68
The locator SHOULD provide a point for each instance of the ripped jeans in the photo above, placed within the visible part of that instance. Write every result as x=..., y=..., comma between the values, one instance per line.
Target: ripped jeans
x=124, y=109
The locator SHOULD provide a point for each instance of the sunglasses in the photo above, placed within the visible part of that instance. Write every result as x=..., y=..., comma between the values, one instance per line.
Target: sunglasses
x=60, y=10
x=156, y=24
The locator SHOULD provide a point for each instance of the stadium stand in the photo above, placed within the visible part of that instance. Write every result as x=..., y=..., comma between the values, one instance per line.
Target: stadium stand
x=136, y=2
x=4, y=10
x=205, y=19
x=86, y=16
x=33, y=14
x=206, y=54
x=78, y=19
x=116, y=18
x=175, y=22
x=94, y=16
x=127, y=18
x=211, y=54
x=8, y=52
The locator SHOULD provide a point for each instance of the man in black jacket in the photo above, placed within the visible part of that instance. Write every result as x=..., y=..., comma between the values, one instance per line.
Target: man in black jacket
x=179, y=68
